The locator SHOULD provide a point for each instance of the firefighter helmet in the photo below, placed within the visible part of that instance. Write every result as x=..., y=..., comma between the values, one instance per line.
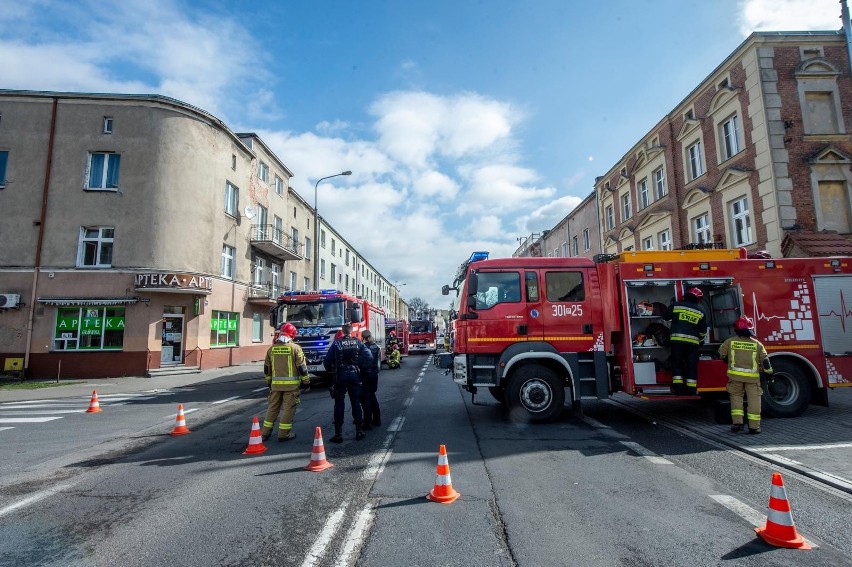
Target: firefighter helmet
x=696, y=292
x=289, y=330
x=744, y=324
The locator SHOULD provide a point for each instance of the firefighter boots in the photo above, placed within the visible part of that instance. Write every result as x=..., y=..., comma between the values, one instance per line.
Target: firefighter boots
x=737, y=427
x=359, y=433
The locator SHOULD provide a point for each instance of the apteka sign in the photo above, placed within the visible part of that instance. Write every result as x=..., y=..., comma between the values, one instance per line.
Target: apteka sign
x=174, y=281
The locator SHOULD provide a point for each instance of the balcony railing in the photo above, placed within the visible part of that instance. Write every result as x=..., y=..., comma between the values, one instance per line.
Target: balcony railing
x=275, y=242
x=265, y=292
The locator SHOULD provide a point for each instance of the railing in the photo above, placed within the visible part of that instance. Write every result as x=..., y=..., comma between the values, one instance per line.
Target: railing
x=265, y=290
x=200, y=355
x=269, y=233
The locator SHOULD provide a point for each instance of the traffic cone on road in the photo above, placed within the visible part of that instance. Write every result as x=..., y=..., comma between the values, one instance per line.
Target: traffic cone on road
x=94, y=404
x=180, y=423
x=318, y=462
x=255, y=444
x=443, y=491
x=780, y=530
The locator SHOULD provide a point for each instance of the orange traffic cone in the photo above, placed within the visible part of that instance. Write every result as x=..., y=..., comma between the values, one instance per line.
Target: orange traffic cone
x=780, y=530
x=318, y=462
x=255, y=445
x=94, y=404
x=443, y=491
x=180, y=423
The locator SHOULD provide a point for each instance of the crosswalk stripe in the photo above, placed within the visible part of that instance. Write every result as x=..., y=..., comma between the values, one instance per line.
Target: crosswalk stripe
x=28, y=419
x=4, y=412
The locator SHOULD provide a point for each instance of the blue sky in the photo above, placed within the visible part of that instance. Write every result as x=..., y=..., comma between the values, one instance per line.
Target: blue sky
x=466, y=124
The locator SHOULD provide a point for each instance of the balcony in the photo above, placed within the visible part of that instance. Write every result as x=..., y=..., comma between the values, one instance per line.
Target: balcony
x=275, y=243
x=264, y=293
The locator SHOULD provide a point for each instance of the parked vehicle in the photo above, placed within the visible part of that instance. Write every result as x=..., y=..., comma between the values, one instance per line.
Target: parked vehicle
x=422, y=336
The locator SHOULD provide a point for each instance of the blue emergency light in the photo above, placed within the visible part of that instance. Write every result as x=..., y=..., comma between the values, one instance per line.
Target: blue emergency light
x=477, y=256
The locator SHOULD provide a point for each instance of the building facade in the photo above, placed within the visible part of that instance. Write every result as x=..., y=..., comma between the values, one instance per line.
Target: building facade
x=577, y=234
x=140, y=233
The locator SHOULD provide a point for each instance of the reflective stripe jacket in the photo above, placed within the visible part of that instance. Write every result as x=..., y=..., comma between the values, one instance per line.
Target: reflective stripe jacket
x=689, y=322
x=745, y=356
x=284, y=363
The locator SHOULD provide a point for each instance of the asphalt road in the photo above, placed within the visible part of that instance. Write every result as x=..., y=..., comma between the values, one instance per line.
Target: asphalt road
x=604, y=488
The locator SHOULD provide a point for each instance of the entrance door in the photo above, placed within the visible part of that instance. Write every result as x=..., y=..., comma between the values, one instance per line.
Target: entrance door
x=172, y=352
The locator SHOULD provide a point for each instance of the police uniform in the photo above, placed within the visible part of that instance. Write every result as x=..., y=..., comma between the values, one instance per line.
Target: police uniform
x=348, y=356
x=745, y=355
x=369, y=387
x=285, y=370
x=689, y=327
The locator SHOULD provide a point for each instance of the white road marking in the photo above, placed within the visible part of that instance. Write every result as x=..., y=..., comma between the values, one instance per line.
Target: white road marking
x=226, y=400
x=419, y=379
x=746, y=512
x=260, y=389
x=318, y=549
x=783, y=459
x=34, y=498
x=5, y=428
x=379, y=459
x=650, y=455
x=28, y=419
x=800, y=447
x=355, y=535
x=5, y=407
x=186, y=411
x=4, y=412
x=595, y=423
x=396, y=424
x=415, y=388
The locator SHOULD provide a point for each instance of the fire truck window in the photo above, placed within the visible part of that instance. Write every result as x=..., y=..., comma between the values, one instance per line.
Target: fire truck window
x=532, y=286
x=565, y=286
x=498, y=287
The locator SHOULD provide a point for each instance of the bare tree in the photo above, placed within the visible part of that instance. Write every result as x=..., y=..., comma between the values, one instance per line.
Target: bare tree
x=418, y=308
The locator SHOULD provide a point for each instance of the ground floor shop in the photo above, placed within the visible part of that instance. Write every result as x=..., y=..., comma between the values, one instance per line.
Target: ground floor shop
x=100, y=325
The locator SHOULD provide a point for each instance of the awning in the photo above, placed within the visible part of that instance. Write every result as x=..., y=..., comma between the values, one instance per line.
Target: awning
x=88, y=300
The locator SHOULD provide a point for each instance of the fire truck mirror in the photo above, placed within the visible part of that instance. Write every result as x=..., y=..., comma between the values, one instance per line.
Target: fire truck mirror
x=355, y=314
x=472, y=284
x=445, y=290
x=273, y=318
x=471, y=302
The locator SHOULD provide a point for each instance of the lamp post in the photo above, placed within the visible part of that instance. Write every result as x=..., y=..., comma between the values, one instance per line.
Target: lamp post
x=316, y=226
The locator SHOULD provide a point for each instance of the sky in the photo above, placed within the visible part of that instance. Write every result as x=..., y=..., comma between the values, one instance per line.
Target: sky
x=467, y=125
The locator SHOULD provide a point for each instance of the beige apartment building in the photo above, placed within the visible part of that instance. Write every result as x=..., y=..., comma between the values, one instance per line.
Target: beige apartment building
x=755, y=156
x=139, y=233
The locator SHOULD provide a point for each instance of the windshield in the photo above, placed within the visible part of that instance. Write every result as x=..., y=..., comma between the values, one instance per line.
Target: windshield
x=420, y=327
x=326, y=314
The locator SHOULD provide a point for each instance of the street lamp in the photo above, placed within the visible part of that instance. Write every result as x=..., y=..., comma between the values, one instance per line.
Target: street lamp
x=316, y=226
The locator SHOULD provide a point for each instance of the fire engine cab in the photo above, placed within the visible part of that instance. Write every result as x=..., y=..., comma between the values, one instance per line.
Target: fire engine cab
x=538, y=331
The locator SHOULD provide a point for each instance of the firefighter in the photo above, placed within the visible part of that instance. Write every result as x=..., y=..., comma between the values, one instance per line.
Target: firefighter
x=689, y=327
x=349, y=358
x=370, y=384
x=746, y=358
x=285, y=371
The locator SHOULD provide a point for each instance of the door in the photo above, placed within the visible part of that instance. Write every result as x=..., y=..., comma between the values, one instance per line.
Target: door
x=172, y=349
x=500, y=318
x=570, y=321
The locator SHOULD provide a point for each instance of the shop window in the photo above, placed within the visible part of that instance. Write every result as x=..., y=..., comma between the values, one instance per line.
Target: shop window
x=89, y=328
x=224, y=329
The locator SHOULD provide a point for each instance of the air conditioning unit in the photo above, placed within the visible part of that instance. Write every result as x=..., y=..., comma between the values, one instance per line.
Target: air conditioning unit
x=9, y=300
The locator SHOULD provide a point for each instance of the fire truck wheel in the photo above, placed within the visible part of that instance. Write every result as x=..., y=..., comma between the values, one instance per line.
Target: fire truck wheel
x=789, y=393
x=535, y=394
x=498, y=393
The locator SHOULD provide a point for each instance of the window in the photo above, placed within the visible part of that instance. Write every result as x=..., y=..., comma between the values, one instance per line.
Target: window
x=322, y=238
x=610, y=218
x=228, y=254
x=277, y=229
x=95, y=249
x=695, y=165
x=664, y=239
x=821, y=117
x=257, y=327
x=276, y=278
x=701, y=229
x=564, y=250
x=729, y=132
x=333, y=247
x=294, y=236
x=575, y=248
x=347, y=282
x=232, y=198
x=333, y=273
x=307, y=284
x=644, y=194
x=625, y=207
x=107, y=124
x=564, y=286
x=347, y=256
x=497, y=287
x=308, y=249
x=293, y=281
x=103, y=170
x=4, y=160
x=279, y=185
x=89, y=328
x=234, y=162
x=740, y=222
x=660, y=183
x=263, y=172
x=648, y=243
x=262, y=218
x=224, y=329
x=322, y=268
x=259, y=270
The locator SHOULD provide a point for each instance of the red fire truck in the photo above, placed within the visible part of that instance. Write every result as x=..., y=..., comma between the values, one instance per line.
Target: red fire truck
x=531, y=330
x=422, y=336
x=318, y=315
x=400, y=327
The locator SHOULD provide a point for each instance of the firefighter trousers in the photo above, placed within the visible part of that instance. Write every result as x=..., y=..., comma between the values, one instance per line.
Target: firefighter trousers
x=284, y=402
x=753, y=392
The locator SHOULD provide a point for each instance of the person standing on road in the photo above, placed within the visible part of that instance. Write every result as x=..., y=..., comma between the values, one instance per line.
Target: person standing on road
x=746, y=357
x=285, y=371
x=348, y=357
x=689, y=327
x=370, y=384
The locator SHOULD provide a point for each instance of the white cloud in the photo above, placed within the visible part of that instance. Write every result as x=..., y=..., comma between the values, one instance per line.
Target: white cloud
x=501, y=188
x=487, y=226
x=435, y=184
x=788, y=15
x=548, y=215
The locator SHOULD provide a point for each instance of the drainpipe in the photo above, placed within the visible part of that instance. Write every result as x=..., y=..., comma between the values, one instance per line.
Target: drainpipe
x=844, y=15
x=45, y=190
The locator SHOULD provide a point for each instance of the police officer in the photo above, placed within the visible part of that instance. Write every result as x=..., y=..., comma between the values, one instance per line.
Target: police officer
x=370, y=383
x=285, y=370
x=348, y=357
x=746, y=357
x=689, y=327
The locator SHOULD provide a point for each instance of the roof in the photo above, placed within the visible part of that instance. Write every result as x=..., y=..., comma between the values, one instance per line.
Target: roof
x=812, y=243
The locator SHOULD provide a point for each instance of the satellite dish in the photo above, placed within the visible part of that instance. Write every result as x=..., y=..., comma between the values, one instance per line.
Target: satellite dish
x=250, y=212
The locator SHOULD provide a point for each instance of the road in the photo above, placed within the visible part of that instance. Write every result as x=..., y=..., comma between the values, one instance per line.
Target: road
x=608, y=487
